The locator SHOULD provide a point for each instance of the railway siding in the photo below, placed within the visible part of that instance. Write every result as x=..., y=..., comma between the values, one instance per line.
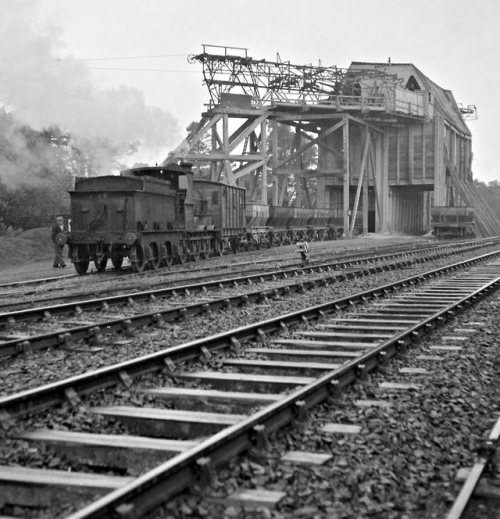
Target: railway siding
x=294, y=407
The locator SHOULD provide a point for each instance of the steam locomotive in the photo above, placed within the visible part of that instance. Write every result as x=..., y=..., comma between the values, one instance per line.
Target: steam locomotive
x=156, y=216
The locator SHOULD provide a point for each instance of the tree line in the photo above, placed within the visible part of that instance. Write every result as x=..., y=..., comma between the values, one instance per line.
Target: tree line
x=37, y=169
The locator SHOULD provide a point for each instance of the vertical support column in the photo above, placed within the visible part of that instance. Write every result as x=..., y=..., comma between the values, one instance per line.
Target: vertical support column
x=411, y=156
x=467, y=159
x=382, y=180
x=263, y=151
x=213, y=163
x=424, y=126
x=274, y=154
x=321, y=183
x=225, y=144
x=346, y=176
x=299, y=179
x=366, y=183
x=253, y=176
x=398, y=155
x=439, y=168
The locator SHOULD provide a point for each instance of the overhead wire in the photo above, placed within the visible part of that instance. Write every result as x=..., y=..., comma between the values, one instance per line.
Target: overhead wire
x=132, y=57
x=131, y=69
x=144, y=69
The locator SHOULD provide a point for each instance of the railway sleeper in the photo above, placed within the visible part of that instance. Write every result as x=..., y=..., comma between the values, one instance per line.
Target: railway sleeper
x=41, y=488
x=169, y=423
x=108, y=450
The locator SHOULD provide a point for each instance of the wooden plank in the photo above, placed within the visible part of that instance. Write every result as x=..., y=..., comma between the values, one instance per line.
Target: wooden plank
x=304, y=343
x=43, y=488
x=294, y=354
x=434, y=302
x=306, y=458
x=397, y=311
x=108, y=450
x=169, y=423
x=413, y=371
x=255, y=498
x=212, y=399
x=241, y=381
x=400, y=318
x=372, y=403
x=398, y=386
x=279, y=366
x=445, y=348
x=371, y=327
x=340, y=428
x=356, y=337
x=373, y=319
x=429, y=357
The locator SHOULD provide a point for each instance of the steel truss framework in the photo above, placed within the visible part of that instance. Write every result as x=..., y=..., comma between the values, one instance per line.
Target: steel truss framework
x=243, y=141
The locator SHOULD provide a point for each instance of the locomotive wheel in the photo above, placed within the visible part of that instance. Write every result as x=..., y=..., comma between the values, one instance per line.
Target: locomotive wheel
x=205, y=249
x=195, y=251
x=101, y=264
x=117, y=263
x=182, y=254
x=154, y=261
x=137, y=258
x=81, y=266
x=218, y=249
x=168, y=260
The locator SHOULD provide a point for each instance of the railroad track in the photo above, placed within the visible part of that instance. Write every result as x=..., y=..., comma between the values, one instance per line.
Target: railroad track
x=210, y=266
x=351, y=337
x=81, y=326
x=474, y=481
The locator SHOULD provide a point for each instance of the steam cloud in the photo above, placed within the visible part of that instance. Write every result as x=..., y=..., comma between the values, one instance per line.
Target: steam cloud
x=41, y=90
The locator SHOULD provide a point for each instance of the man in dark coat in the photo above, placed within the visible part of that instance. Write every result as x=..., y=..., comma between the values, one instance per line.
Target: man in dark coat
x=57, y=228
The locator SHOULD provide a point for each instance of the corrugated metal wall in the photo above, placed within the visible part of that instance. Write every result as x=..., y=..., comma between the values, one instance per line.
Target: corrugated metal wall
x=408, y=207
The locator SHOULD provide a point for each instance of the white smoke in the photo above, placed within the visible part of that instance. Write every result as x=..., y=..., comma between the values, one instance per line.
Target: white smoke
x=43, y=87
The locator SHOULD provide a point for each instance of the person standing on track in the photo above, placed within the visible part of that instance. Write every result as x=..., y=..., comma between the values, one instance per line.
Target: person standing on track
x=302, y=249
x=58, y=228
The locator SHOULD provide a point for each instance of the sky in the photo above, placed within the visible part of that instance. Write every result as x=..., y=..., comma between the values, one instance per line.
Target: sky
x=119, y=67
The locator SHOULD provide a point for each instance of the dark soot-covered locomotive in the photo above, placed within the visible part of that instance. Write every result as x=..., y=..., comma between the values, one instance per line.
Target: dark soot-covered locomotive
x=156, y=216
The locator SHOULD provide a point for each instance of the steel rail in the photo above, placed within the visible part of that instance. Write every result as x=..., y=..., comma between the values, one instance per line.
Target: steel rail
x=475, y=475
x=360, y=257
x=38, y=399
x=96, y=303
x=93, y=332
x=165, y=271
x=175, y=475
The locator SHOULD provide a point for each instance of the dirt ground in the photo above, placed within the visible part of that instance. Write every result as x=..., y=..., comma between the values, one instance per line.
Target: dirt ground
x=29, y=255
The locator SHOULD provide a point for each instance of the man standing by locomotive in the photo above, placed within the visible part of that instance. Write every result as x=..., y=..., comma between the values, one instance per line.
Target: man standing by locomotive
x=58, y=228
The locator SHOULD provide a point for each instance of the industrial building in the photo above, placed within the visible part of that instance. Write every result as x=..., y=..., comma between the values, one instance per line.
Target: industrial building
x=379, y=145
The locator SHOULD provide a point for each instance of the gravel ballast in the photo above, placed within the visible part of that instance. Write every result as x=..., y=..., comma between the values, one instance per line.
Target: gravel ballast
x=404, y=461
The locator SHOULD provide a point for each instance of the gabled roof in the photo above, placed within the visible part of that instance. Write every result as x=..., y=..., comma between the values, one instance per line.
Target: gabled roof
x=443, y=99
